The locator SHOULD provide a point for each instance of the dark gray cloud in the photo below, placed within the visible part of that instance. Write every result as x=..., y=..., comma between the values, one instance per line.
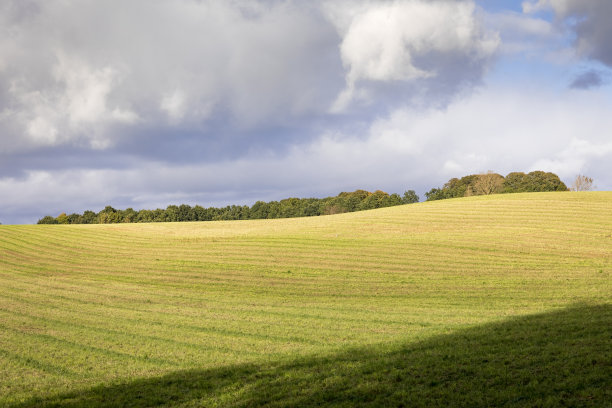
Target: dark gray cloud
x=591, y=22
x=588, y=20
x=587, y=80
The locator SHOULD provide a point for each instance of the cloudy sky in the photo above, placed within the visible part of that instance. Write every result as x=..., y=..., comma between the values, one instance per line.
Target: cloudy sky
x=146, y=103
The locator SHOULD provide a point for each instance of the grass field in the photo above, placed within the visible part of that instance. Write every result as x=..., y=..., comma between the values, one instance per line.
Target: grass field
x=481, y=301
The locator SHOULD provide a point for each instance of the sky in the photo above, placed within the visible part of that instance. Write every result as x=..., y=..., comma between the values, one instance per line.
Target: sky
x=145, y=104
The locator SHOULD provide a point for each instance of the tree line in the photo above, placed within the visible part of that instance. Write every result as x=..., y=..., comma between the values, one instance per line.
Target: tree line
x=473, y=184
x=290, y=207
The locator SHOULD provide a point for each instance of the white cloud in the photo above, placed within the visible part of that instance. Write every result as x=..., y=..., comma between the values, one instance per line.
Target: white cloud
x=174, y=105
x=576, y=158
x=531, y=7
x=521, y=33
x=124, y=116
x=73, y=107
x=85, y=90
x=42, y=130
x=391, y=41
x=96, y=64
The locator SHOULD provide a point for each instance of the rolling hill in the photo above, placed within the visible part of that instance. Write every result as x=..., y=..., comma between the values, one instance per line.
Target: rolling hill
x=480, y=301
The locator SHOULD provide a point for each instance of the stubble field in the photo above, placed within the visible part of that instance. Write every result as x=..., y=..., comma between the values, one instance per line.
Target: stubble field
x=498, y=300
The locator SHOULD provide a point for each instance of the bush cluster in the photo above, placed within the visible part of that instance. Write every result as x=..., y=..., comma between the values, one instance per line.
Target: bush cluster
x=493, y=183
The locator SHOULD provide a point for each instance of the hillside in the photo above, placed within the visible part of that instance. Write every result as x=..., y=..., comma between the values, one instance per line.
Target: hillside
x=471, y=298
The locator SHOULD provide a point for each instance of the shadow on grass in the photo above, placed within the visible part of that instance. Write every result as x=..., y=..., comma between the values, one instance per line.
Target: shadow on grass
x=555, y=359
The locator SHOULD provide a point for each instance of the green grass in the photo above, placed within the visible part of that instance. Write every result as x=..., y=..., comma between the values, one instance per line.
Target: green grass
x=481, y=301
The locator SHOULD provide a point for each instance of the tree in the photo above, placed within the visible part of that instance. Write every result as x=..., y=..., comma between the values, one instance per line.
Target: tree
x=199, y=213
x=185, y=213
x=582, y=183
x=259, y=210
x=453, y=188
x=89, y=217
x=108, y=215
x=394, y=199
x=128, y=215
x=290, y=207
x=159, y=215
x=172, y=213
x=410, y=197
x=75, y=219
x=377, y=199
x=541, y=181
x=311, y=207
x=274, y=210
x=436, y=194
x=349, y=202
x=488, y=183
x=515, y=182
x=47, y=219
x=62, y=218
x=145, y=216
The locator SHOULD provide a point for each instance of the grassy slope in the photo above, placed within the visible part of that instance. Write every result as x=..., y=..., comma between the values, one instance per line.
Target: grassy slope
x=249, y=312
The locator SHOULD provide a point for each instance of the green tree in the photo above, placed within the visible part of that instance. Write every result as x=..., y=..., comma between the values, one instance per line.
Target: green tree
x=159, y=215
x=260, y=210
x=436, y=194
x=184, y=213
x=377, y=199
x=542, y=181
x=453, y=188
x=108, y=216
x=310, y=207
x=75, y=218
x=290, y=207
x=351, y=201
x=47, y=219
x=410, y=197
x=62, y=218
x=172, y=213
x=335, y=205
x=89, y=217
x=145, y=216
x=199, y=213
x=127, y=216
x=515, y=182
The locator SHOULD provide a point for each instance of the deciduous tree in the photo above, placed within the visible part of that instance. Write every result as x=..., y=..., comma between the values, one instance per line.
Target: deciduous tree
x=488, y=183
x=582, y=183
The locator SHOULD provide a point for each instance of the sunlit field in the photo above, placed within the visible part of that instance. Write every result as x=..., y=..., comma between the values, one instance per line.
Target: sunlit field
x=479, y=301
